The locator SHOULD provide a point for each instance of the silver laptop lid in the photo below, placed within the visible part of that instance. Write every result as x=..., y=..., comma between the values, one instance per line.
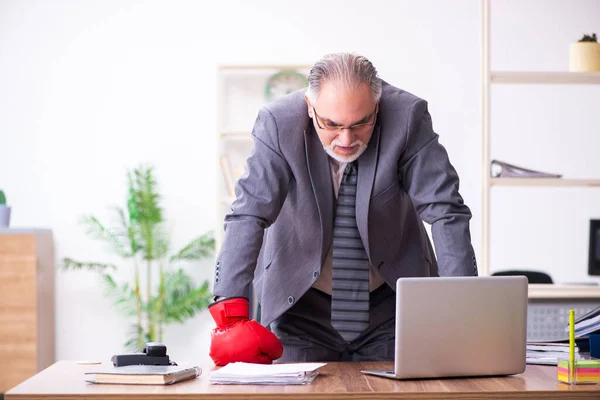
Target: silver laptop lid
x=460, y=326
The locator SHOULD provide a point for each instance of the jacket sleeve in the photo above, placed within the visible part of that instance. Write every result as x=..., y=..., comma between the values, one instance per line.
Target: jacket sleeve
x=260, y=194
x=432, y=183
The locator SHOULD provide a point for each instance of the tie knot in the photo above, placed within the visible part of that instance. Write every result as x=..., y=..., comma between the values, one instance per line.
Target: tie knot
x=351, y=168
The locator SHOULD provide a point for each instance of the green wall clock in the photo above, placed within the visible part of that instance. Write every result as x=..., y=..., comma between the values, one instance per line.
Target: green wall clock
x=283, y=83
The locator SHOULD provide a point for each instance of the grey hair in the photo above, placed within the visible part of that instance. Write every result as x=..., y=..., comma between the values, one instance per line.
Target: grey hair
x=347, y=69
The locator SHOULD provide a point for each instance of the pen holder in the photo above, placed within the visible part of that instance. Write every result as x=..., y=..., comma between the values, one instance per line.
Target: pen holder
x=585, y=371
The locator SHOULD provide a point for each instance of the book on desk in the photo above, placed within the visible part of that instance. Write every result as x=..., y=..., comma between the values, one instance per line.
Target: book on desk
x=143, y=374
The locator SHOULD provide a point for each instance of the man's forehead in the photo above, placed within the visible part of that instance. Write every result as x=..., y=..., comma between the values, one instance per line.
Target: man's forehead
x=336, y=103
x=332, y=96
x=338, y=91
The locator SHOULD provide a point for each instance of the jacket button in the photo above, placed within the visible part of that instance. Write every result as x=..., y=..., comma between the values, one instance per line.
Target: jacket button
x=290, y=300
x=218, y=263
x=315, y=273
x=217, y=273
x=217, y=279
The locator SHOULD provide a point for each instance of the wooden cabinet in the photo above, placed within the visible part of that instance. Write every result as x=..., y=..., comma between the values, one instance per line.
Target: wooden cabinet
x=26, y=304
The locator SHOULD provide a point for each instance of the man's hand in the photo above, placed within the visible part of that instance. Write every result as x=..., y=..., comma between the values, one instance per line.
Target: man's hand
x=238, y=338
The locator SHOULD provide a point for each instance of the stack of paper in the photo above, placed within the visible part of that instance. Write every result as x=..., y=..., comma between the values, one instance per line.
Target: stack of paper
x=548, y=352
x=261, y=374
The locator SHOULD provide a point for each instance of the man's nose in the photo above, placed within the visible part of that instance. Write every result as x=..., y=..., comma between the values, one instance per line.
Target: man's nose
x=346, y=138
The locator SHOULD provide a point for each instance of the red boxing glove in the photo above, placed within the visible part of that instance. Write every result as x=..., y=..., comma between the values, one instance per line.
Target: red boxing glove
x=237, y=338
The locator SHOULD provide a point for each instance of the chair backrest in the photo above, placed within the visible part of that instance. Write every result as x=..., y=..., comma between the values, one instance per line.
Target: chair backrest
x=532, y=276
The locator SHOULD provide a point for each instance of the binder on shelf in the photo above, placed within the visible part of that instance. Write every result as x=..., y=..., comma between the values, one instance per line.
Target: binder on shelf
x=588, y=323
x=501, y=169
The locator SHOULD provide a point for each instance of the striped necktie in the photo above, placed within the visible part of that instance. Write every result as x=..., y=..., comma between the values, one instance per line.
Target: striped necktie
x=350, y=270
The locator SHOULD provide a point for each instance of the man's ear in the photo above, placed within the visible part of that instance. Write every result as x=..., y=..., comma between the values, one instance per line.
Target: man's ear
x=310, y=107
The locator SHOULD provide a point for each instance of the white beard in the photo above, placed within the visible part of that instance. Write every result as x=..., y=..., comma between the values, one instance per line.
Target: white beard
x=345, y=159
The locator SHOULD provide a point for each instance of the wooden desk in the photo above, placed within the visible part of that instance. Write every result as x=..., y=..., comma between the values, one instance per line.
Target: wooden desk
x=65, y=380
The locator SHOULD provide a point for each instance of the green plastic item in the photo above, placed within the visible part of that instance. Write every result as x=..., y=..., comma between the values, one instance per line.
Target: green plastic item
x=2, y=198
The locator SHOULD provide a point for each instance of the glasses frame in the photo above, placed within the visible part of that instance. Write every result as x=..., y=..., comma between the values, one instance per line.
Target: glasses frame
x=351, y=127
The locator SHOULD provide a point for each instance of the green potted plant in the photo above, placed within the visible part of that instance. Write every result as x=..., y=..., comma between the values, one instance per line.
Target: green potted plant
x=4, y=211
x=141, y=241
x=585, y=54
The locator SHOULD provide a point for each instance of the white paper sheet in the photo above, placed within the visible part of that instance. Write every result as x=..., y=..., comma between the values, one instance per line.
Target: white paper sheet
x=266, y=374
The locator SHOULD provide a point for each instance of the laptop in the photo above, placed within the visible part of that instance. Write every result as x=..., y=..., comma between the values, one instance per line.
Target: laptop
x=459, y=326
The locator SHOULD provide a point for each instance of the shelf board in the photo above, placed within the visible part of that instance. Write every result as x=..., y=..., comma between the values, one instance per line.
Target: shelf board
x=557, y=77
x=559, y=291
x=553, y=182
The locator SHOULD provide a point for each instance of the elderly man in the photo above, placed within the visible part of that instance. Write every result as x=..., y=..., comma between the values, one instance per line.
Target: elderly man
x=330, y=214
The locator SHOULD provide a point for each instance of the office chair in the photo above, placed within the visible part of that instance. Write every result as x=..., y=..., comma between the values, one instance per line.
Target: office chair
x=532, y=276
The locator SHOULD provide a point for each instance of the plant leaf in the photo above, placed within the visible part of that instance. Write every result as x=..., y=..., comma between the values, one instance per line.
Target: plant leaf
x=201, y=247
x=126, y=230
x=182, y=299
x=70, y=264
x=144, y=210
x=96, y=230
x=136, y=338
x=144, y=197
x=123, y=297
x=162, y=242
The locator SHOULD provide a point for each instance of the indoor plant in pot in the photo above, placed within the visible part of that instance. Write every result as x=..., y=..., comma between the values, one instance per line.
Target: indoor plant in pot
x=141, y=240
x=585, y=54
x=4, y=211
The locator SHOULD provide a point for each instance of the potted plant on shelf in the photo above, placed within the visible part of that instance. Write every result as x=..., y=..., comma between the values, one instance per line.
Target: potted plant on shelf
x=141, y=241
x=4, y=211
x=585, y=54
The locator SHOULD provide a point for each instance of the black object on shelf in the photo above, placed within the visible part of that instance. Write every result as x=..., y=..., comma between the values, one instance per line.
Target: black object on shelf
x=594, y=249
x=532, y=276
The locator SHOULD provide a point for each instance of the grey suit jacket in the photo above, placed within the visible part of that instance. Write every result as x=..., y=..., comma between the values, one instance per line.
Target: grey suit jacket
x=281, y=224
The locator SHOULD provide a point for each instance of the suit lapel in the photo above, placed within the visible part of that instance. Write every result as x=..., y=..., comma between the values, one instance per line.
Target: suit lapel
x=367, y=164
x=320, y=178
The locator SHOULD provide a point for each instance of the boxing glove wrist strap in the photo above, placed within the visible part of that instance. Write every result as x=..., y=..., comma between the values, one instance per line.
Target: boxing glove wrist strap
x=229, y=310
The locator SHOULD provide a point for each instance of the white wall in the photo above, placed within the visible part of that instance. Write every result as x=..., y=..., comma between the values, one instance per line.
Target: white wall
x=90, y=88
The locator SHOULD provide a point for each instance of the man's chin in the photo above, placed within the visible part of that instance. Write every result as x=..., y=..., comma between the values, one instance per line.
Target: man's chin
x=345, y=158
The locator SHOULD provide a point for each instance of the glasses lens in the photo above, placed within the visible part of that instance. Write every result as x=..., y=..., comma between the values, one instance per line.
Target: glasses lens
x=358, y=128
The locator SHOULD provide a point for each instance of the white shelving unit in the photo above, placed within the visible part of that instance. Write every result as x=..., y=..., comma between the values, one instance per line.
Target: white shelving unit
x=240, y=95
x=556, y=182
x=490, y=78
x=558, y=78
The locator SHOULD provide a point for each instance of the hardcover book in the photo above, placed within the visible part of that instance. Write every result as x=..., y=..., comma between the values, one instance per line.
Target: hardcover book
x=144, y=374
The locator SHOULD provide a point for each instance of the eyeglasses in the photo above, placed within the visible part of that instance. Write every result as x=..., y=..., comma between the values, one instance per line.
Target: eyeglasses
x=355, y=128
